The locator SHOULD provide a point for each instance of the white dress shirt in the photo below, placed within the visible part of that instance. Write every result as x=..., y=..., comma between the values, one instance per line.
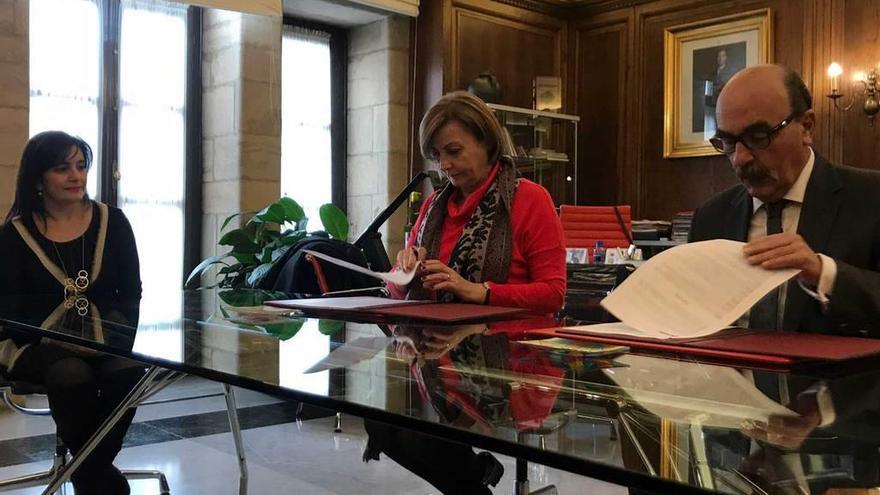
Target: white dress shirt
x=791, y=215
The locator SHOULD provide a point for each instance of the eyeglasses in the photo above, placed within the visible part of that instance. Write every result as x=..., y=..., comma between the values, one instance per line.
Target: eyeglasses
x=756, y=139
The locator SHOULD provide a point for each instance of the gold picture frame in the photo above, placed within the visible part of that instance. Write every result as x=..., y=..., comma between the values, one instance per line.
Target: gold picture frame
x=699, y=59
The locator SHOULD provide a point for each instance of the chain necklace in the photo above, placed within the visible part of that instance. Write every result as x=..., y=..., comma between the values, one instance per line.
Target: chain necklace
x=75, y=288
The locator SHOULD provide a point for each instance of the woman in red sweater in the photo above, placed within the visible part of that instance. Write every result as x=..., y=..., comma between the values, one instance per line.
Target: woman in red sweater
x=487, y=236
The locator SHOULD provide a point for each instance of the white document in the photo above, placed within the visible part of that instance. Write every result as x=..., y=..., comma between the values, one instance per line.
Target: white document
x=359, y=349
x=690, y=291
x=714, y=396
x=345, y=303
x=399, y=278
x=616, y=328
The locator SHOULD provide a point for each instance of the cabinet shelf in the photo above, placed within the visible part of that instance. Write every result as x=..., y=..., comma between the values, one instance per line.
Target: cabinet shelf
x=534, y=131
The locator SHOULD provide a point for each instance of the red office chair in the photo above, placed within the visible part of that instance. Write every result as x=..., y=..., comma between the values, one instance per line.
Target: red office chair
x=584, y=225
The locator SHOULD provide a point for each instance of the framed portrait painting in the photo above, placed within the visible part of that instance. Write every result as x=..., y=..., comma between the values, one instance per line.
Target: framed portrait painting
x=699, y=60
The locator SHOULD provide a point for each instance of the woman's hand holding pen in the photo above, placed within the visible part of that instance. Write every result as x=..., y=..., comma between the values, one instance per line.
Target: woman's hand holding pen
x=408, y=257
x=435, y=275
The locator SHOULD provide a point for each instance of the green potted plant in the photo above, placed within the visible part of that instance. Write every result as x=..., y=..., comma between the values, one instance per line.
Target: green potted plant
x=252, y=249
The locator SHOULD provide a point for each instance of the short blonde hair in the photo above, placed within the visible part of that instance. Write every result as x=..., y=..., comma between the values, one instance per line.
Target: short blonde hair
x=473, y=114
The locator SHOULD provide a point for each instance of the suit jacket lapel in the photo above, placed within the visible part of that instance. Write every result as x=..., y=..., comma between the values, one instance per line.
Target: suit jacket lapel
x=739, y=216
x=821, y=203
x=818, y=212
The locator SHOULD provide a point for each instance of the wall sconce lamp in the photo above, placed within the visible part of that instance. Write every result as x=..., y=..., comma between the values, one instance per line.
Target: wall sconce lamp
x=869, y=89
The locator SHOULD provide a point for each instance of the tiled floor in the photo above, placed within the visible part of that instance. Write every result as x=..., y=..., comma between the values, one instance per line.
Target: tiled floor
x=289, y=457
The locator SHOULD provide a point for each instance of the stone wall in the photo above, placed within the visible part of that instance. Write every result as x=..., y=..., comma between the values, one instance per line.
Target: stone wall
x=14, y=94
x=241, y=141
x=241, y=82
x=378, y=116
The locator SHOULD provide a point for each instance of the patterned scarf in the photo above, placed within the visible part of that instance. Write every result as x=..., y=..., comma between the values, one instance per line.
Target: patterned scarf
x=485, y=247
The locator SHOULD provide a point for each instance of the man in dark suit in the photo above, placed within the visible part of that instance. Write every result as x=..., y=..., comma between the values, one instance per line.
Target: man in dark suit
x=795, y=209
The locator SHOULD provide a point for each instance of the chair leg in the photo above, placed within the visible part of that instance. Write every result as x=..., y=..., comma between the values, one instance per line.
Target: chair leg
x=235, y=428
x=702, y=470
x=34, y=411
x=149, y=474
x=27, y=481
x=130, y=400
x=521, y=483
x=59, y=460
x=547, y=490
x=337, y=428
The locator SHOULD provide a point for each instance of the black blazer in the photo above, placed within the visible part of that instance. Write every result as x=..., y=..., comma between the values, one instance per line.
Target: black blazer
x=840, y=218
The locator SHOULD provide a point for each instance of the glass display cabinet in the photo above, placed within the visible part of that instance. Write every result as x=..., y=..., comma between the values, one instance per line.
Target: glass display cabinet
x=545, y=144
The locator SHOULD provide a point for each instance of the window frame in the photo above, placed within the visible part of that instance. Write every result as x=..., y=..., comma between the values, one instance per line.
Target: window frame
x=110, y=34
x=338, y=106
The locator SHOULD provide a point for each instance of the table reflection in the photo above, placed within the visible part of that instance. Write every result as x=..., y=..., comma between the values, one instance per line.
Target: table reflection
x=712, y=425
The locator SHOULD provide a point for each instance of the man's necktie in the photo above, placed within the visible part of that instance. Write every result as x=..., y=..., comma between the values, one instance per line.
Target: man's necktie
x=765, y=314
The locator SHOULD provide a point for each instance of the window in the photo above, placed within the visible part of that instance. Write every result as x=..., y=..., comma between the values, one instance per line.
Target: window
x=127, y=99
x=312, y=116
x=64, y=71
x=152, y=147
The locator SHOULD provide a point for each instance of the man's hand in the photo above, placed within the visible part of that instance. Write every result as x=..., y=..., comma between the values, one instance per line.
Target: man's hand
x=786, y=250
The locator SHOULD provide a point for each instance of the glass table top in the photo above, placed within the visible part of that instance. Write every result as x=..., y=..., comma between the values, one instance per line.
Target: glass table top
x=628, y=418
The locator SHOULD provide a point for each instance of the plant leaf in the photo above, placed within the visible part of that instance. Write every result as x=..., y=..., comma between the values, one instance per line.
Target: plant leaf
x=245, y=258
x=231, y=269
x=234, y=238
x=258, y=273
x=334, y=220
x=329, y=327
x=249, y=297
x=273, y=213
x=230, y=217
x=293, y=212
x=201, y=267
x=284, y=331
x=266, y=256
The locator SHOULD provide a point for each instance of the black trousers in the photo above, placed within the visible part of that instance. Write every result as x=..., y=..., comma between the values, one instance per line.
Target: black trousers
x=453, y=468
x=82, y=393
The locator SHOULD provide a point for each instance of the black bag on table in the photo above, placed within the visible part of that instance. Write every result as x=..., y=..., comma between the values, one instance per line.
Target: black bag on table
x=294, y=274
x=587, y=286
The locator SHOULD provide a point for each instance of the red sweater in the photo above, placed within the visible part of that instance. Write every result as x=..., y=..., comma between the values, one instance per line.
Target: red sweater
x=536, y=278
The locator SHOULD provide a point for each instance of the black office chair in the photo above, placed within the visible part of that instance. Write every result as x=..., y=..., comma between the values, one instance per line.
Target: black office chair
x=61, y=455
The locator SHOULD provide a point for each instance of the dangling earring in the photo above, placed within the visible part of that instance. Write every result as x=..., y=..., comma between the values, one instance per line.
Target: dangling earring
x=39, y=192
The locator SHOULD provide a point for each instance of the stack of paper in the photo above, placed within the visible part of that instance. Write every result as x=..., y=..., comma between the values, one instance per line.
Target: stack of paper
x=689, y=291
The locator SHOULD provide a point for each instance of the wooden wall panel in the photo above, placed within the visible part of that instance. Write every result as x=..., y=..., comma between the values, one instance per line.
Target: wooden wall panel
x=861, y=38
x=455, y=40
x=600, y=87
x=513, y=46
x=658, y=187
x=514, y=53
x=612, y=69
x=671, y=185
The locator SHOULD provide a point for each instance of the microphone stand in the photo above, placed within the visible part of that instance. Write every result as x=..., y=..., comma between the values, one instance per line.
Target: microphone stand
x=370, y=241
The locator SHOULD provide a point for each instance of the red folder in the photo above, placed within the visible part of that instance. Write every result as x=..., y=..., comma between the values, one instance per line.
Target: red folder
x=451, y=312
x=767, y=348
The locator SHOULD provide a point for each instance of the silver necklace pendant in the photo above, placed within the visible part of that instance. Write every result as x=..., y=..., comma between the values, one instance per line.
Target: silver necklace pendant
x=70, y=289
x=82, y=280
x=82, y=305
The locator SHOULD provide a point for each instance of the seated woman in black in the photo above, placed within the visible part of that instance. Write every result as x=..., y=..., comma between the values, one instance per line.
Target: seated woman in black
x=57, y=242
